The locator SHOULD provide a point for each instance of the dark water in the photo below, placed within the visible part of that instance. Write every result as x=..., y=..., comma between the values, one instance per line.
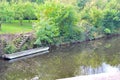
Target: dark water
x=100, y=56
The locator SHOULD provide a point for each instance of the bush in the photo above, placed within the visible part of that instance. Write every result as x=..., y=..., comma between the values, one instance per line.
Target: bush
x=111, y=20
x=10, y=48
x=107, y=31
x=82, y=3
x=56, y=23
x=46, y=33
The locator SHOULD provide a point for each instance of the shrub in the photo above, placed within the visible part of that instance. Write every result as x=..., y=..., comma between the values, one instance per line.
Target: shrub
x=56, y=22
x=10, y=48
x=111, y=20
x=107, y=31
x=82, y=3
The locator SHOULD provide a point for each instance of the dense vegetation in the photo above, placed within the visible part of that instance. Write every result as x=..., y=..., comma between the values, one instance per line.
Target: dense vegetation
x=64, y=21
x=79, y=20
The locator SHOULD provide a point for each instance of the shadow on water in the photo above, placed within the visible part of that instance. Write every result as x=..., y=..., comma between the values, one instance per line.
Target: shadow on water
x=100, y=56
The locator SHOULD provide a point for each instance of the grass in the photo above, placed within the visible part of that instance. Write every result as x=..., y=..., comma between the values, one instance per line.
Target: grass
x=15, y=27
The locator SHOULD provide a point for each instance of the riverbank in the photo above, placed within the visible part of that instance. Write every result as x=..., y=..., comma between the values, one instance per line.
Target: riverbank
x=10, y=43
x=13, y=39
x=67, y=44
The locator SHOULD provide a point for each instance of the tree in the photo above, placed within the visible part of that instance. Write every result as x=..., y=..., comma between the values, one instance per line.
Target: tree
x=6, y=13
x=93, y=15
x=56, y=22
x=29, y=11
x=111, y=19
x=19, y=9
x=2, y=13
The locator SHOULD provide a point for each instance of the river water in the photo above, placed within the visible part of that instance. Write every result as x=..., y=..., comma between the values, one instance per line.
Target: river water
x=94, y=57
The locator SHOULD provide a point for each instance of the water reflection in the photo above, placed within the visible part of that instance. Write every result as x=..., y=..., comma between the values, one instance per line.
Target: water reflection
x=109, y=69
x=82, y=59
x=3, y=67
x=104, y=68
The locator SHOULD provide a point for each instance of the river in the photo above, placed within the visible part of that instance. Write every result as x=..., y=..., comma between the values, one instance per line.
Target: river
x=93, y=57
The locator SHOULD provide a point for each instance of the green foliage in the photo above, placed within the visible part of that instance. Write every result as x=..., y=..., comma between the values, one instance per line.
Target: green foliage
x=82, y=3
x=6, y=12
x=112, y=19
x=17, y=1
x=3, y=10
x=29, y=11
x=46, y=33
x=95, y=19
x=96, y=16
x=107, y=31
x=56, y=20
x=17, y=10
x=24, y=47
x=10, y=48
x=93, y=15
x=102, y=16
